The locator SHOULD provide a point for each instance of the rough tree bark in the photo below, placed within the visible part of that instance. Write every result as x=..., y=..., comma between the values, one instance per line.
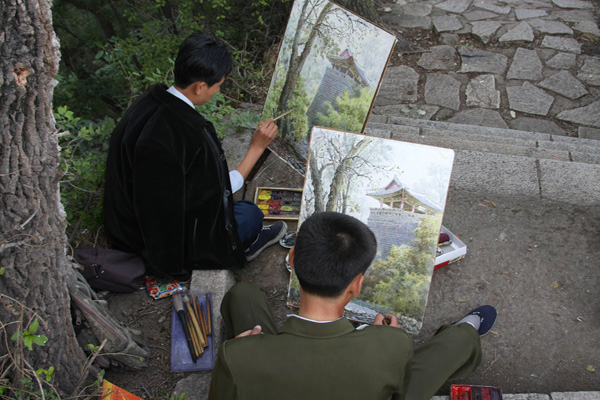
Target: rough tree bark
x=32, y=223
x=364, y=8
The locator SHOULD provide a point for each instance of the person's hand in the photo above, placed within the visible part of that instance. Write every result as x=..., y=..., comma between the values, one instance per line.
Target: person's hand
x=387, y=319
x=257, y=330
x=265, y=134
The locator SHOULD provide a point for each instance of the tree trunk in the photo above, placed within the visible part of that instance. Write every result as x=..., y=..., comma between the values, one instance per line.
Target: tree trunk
x=364, y=8
x=32, y=223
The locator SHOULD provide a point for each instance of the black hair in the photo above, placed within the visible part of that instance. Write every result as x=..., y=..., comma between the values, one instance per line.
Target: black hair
x=201, y=58
x=331, y=250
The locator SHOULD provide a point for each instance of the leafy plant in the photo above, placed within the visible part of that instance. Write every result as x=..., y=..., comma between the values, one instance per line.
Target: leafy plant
x=29, y=336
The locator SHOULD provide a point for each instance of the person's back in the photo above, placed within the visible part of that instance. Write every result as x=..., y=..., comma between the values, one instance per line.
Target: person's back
x=318, y=362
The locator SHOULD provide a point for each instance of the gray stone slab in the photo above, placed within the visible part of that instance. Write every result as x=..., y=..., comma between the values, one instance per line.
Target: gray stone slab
x=588, y=133
x=495, y=173
x=571, y=182
x=455, y=6
x=442, y=90
x=484, y=30
x=525, y=65
x=536, y=125
x=575, y=395
x=492, y=6
x=562, y=44
x=587, y=28
x=550, y=27
x=520, y=33
x=195, y=386
x=529, y=99
x=573, y=4
x=439, y=58
x=410, y=110
x=590, y=71
x=449, y=38
x=448, y=23
x=399, y=85
x=476, y=60
x=526, y=13
x=481, y=92
x=479, y=15
x=588, y=115
x=479, y=117
x=564, y=84
x=525, y=396
x=562, y=61
x=574, y=16
x=417, y=9
x=412, y=21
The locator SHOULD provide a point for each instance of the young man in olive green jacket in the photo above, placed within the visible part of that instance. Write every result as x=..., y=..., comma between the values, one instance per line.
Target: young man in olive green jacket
x=319, y=354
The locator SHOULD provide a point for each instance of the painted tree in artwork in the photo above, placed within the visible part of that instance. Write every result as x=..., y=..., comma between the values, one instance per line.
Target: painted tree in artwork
x=314, y=30
x=401, y=281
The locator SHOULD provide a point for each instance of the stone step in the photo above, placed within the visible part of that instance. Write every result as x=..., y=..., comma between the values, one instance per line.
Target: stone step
x=504, y=161
x=486, y=139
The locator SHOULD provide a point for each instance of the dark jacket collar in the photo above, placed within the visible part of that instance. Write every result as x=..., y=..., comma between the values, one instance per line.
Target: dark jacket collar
x=177, y=106
x=301, y=327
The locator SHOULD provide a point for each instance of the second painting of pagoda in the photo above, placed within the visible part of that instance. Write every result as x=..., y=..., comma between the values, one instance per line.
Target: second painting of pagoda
x=330, y=65
x=399, y=191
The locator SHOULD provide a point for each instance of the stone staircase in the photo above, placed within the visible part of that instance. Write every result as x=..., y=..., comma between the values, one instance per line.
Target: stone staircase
x=507, y=161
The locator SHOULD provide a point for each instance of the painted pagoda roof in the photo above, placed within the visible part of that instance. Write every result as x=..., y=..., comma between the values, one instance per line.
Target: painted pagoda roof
x=396, y=187
x=346, y=59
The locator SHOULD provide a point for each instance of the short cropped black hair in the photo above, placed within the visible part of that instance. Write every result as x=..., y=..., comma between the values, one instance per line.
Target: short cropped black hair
x=201, y=58
x=331, y=250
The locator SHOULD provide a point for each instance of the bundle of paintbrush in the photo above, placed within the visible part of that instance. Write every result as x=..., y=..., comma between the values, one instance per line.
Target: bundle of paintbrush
x=195, y=320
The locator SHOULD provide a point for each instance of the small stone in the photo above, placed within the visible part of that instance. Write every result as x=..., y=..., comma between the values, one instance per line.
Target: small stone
x=536, y=125
x=520, y=33
x=413, y=22
x=479, y=117
x=588, y=28
x=455, y=6
x=479, y=15
x=550, y=27
x=572, y=4
x=481, y=92
x=588, y=115
x=447, y=24
x=485, y=29
x=525, y=65
x=590, y=71
x=562, y=61
x=439, y=58
x=449, y=38
x=488, y=5
x=529, y=99
x=418, y=9
x=562, y=44
x=524, y=13
x=442, y=90
x=476, y=60
x=564, y=84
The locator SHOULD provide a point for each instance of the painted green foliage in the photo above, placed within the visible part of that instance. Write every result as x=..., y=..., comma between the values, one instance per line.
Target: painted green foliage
x=401, y=281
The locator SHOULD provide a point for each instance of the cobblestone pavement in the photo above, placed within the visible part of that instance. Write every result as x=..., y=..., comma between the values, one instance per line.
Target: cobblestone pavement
x=531, y=65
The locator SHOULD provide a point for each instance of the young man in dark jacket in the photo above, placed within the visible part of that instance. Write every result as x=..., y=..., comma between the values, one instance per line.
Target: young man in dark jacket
x=169, y=193
x=319, y=354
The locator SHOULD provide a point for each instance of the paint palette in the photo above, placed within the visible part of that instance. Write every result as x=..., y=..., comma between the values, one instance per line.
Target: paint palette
x=279, y=203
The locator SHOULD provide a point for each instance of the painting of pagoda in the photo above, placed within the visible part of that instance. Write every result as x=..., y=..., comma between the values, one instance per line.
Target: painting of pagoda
x=330, y=65
x=399, y=191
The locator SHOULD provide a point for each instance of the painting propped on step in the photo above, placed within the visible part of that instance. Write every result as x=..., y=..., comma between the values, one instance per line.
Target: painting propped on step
x=328, y=71
x=399, y=190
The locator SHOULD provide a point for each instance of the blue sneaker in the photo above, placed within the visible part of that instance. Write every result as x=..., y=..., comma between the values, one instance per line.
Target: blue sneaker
x=487, y=315
x=269, y=235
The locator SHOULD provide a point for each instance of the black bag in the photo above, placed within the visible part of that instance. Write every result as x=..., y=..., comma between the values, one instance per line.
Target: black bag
x=94, y=323
x=109, y=269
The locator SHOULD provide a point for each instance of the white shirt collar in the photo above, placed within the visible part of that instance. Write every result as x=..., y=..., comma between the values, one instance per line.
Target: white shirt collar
x=180, y=95
x=312, y=320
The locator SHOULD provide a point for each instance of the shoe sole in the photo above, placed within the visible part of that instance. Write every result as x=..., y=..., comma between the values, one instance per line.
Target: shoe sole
x=270, y=242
